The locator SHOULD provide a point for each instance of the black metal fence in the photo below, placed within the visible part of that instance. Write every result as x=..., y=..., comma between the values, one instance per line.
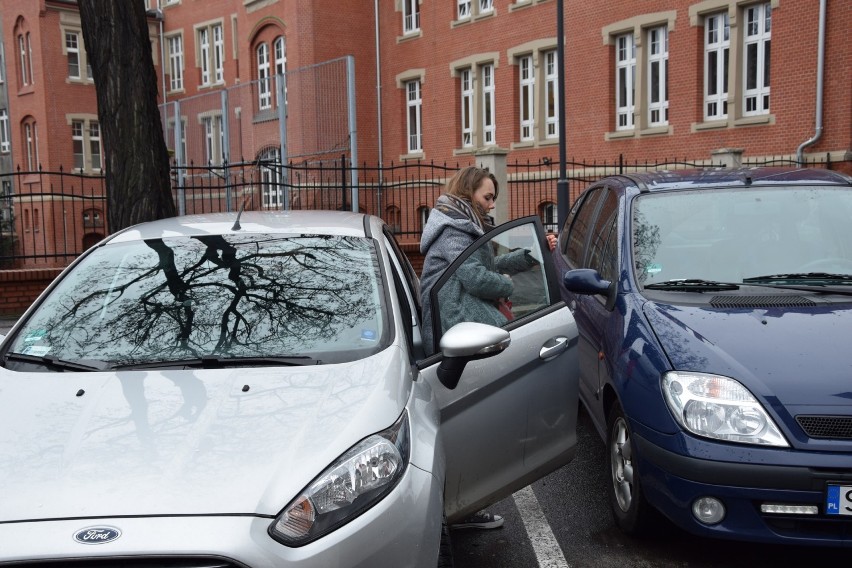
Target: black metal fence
x=49, y=218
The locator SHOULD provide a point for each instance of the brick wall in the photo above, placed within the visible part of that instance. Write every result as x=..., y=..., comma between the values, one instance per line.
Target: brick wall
x=19, y=288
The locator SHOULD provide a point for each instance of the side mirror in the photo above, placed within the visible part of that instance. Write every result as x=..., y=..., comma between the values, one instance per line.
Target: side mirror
x=468, y=341
x=589, y=281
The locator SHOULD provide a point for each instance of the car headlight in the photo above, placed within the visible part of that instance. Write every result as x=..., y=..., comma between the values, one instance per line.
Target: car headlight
x=719, y=407
x=359, y=479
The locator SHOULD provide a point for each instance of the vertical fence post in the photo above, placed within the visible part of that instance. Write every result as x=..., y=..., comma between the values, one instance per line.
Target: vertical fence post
x=343, y=184
x=281, y=90
x=180, y=160
x=353, y=128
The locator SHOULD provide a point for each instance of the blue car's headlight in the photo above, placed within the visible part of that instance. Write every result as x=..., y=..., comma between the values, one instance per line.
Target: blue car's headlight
x=359, y=479
x=719, y=407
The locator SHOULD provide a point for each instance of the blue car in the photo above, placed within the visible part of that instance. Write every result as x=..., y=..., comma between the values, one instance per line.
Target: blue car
x=715, y=318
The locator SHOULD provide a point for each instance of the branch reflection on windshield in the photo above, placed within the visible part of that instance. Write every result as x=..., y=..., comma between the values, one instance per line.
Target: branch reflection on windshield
x=230, y=296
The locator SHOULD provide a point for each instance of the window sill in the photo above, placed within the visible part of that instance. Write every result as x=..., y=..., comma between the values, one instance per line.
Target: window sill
x=709, y=125
x=757, y=120
x=664, y=130
x=464, y=151
x=524, y=145
x=408, y=36
x=619, y=135
x=412, y=156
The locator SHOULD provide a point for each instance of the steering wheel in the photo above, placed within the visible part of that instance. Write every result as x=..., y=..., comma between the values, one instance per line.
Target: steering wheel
x=827, y=264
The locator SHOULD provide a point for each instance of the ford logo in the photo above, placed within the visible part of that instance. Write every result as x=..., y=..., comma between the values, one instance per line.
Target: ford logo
x=97, y=535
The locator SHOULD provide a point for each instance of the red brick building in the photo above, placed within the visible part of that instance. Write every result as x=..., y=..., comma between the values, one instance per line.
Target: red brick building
x=452, y=81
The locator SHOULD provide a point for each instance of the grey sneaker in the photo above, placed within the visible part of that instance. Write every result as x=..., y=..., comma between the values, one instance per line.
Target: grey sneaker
x=479, y=520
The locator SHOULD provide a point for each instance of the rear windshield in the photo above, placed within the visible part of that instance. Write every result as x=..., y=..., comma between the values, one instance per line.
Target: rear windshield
x=231, y=296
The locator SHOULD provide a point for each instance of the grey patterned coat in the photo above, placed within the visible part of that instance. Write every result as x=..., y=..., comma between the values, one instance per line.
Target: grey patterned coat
x=472, y=294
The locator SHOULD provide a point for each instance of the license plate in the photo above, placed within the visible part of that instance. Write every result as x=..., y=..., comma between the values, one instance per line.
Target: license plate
x=838, y=500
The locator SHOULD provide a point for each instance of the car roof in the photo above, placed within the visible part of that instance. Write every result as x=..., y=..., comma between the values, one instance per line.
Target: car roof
x=342, y=223
x=718, y=177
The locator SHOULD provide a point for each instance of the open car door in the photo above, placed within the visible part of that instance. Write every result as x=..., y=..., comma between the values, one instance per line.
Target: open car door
x=512, y=417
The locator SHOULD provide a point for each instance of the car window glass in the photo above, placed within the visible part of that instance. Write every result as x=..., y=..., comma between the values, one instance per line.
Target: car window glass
x=601, y=235
x=227, y=296
x=578, y=231
x=728, y=234
x=501, y=280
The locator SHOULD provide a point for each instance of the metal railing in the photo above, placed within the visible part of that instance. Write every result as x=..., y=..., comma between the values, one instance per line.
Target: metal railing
x=48, y=218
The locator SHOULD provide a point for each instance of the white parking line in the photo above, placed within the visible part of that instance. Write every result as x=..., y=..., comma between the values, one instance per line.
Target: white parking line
x=546, y=549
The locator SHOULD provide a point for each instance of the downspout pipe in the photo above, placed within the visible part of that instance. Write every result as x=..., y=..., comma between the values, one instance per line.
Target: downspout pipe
x=800, y=151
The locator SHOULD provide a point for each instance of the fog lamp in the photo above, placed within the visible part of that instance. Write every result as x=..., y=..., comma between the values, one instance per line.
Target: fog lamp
x=708, y=510
x=787, y=509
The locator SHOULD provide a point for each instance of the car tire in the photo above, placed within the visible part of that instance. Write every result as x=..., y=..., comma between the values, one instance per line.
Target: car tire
x=445, y=551
x=633, y=514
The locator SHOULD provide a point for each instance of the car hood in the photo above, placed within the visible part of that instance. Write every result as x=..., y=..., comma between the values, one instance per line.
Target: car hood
x=229, y=441
x=793, y=356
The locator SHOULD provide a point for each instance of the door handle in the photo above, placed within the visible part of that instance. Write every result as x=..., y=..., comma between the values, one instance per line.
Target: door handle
x=553, y=347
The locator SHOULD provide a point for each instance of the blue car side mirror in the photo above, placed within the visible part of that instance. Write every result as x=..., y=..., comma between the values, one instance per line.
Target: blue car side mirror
x=585, y=281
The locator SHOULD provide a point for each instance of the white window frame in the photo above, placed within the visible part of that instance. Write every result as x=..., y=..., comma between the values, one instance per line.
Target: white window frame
x=72, y=49
x=87, y=147
x=757, y=36
x=489, y=103
x=24, y=60
x=271, y=179
x=264, y=90
x=5, y=136
x=410, y=16
x=717, y=49
x=279, y=50
x=551, y=95
x=175, y=44
x=212, y=129
x=2, y=63
x=625, y=77
x=467, y=94
x=203, y=35
x=486, y=6
x=658, y=58
x=31, y=144
x=463, y=11
x=526, y=71
x=414, y=116
x=210, y=42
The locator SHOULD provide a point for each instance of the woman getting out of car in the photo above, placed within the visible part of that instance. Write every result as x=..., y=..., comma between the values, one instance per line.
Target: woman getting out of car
x=475, y=292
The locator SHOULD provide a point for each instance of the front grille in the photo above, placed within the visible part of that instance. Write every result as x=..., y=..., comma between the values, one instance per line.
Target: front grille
x=812, y=527
x=831, y=427
x=786, y=301
x=129, y=562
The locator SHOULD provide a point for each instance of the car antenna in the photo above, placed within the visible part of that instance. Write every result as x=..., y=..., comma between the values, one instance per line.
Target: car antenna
x=237, y=226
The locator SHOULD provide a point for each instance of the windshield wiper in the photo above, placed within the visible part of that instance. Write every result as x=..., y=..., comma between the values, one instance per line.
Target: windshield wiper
x=55, y=362
x=814, y=278
x=217, y=362
x=691, y=285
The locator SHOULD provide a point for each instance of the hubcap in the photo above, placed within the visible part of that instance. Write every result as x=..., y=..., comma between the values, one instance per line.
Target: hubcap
x=621, y=464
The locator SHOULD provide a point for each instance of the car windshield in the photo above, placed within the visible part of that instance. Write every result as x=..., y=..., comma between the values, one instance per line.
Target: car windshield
x=732, y=234
x=247, y=296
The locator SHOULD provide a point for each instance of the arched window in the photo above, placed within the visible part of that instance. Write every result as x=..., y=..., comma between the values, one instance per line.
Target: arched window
x=393, y=218
x=547, y=212
x=423, y=215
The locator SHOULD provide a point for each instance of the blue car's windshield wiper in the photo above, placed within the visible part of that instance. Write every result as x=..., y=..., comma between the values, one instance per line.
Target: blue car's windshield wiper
x=812, y=278
x=218, y=362
x=55, y=362
x=691, y=285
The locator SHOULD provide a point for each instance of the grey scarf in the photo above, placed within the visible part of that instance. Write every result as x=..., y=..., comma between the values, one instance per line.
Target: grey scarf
x=459, y=208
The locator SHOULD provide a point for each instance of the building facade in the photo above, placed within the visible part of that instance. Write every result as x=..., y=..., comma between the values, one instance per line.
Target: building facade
x=445, y=81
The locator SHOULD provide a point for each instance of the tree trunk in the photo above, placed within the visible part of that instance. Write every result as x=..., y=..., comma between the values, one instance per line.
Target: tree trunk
x=137, y=160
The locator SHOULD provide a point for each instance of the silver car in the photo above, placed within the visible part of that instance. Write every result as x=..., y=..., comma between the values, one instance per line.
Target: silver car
x=247, y=391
